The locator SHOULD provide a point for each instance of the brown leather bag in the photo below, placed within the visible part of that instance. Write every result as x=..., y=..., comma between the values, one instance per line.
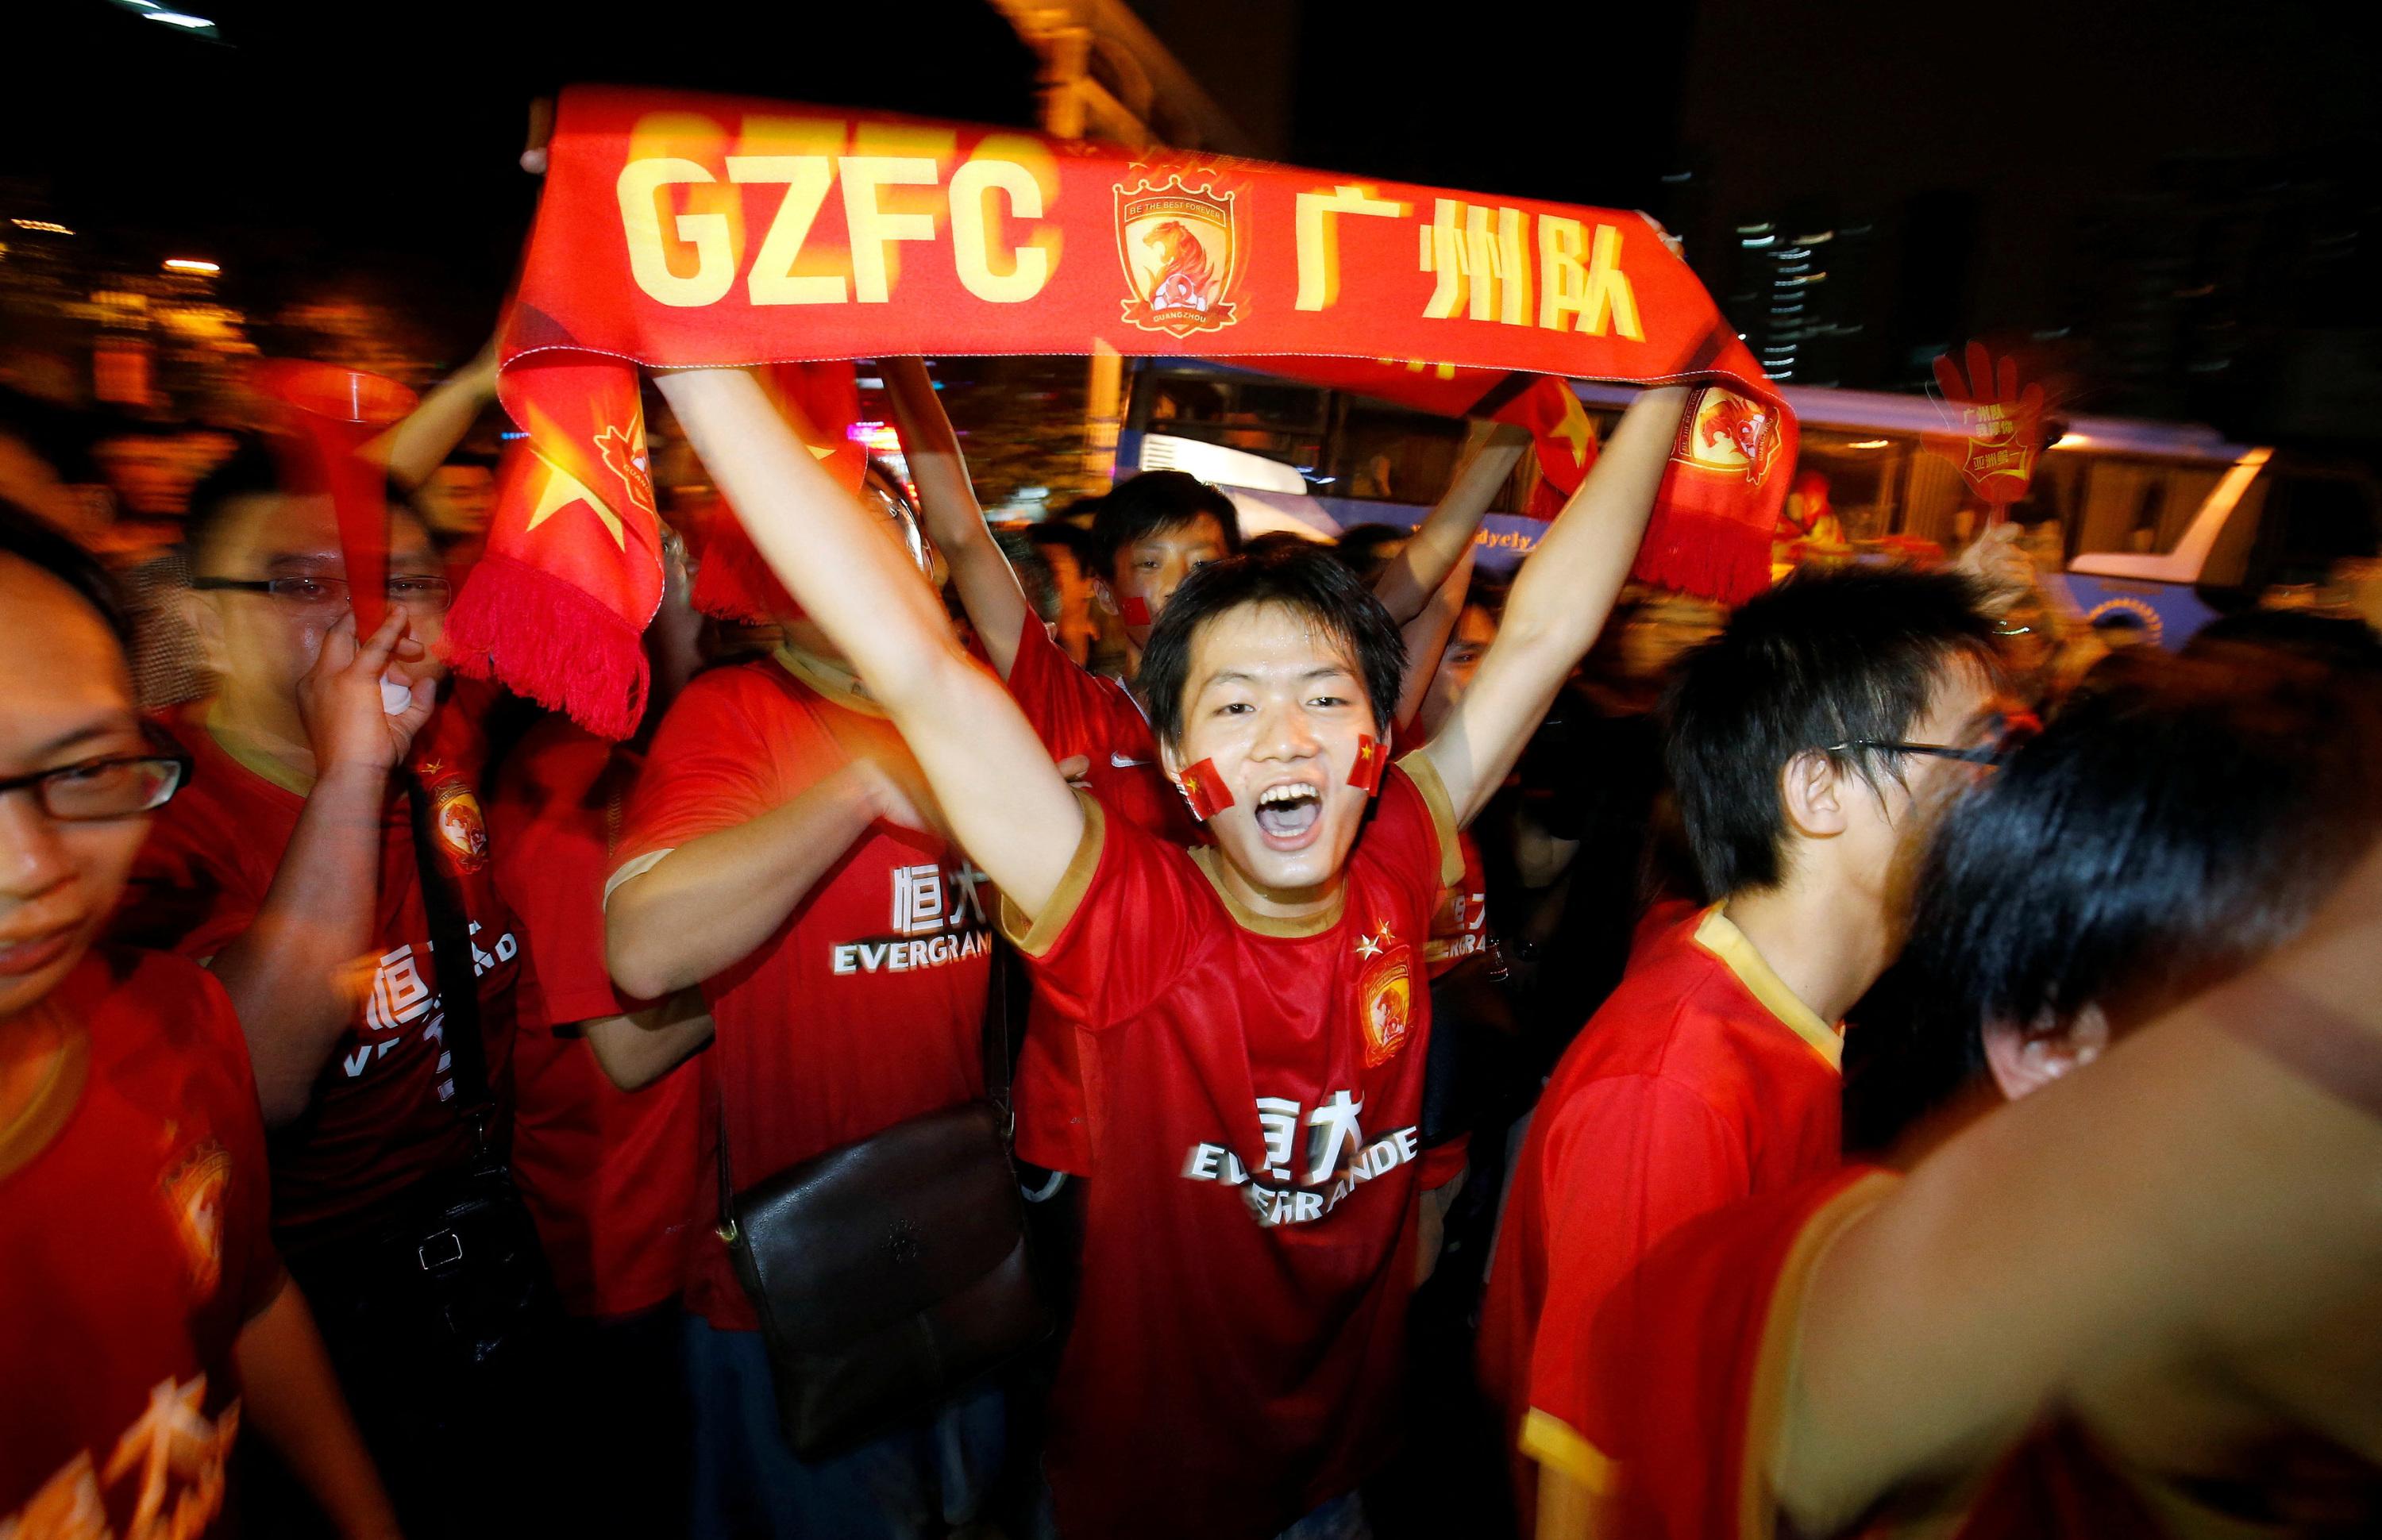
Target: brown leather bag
x=890, y=1273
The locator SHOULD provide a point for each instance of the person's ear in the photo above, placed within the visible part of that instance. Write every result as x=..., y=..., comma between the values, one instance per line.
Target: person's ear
x=200, y=613
x=1170, y=761
x=1103, y=597
x=2027, y=1059
x=1813, y=789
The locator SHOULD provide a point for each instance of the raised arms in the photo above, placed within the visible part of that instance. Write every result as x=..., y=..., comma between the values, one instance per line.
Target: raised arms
x=1421, y=567
x=1005, y=801
x=1558, y=604
x=996, y=606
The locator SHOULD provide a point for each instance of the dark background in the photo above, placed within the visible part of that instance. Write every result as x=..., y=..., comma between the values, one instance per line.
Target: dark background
x=2173, y=202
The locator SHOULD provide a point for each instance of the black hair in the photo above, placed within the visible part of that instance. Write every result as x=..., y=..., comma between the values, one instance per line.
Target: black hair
x=31, y=540
x=1075, y=542
x=2335, y=640
x=1303, y=577
x=1033, y=569
x=1360, y=546
x=59, y=435
x=1824, y=658
x=2179, y=818
x=1152, y=503
x=252, y=469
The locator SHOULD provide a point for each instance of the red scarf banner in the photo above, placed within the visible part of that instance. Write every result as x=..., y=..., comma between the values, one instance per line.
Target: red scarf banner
x=680, y=231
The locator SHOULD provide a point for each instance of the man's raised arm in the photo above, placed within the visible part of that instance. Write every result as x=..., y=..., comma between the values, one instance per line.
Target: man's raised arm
x=1005, y=801
x=1419, y=570
x=1559, y=602
x=987, y=585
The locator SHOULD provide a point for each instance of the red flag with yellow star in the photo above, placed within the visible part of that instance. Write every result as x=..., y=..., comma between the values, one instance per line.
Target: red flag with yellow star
x=573, y=571
x=820, y=401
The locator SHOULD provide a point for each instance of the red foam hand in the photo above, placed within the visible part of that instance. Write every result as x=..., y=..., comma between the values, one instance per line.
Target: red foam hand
x=1999, y=424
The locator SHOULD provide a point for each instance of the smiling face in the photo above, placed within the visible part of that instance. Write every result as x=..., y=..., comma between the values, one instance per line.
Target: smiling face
x=69, y=701
x=1278, y=704
x=1151, y=568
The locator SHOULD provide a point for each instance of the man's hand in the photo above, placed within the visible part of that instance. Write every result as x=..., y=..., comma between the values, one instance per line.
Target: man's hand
x=897, y=798
x=340, y=702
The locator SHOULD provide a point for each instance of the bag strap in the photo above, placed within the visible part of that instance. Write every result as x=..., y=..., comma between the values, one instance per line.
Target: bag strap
x=451, y=965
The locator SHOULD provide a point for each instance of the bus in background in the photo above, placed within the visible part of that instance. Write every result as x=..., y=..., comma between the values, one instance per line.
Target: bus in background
x=2150, y=526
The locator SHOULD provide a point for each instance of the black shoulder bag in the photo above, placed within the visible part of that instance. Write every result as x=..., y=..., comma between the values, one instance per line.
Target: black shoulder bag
x=892, y=1272
x=465, y=1279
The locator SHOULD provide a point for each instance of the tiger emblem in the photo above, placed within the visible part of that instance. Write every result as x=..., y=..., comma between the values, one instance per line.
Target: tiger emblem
x=1181, y=247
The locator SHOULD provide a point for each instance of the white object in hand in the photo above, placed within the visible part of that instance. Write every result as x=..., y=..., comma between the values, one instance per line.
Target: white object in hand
x=396, y=695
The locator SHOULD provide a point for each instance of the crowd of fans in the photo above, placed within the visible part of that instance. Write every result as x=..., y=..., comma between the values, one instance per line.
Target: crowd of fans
x=1432, y=1088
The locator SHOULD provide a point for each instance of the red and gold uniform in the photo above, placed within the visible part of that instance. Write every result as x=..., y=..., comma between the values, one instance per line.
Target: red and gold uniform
x=607, y=1173
x=1076, y=712
x=1702, y=1080
x=866, y=1005
x=380, y=1119
x=134, y=1198
x=1687, y=1393
x=1249, y=1245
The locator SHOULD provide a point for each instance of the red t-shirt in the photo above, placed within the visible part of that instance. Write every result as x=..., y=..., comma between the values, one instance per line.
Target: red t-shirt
x=380, y=1117
x=1076, y=712
x=607, y=1174
x=1690, y=1356
x=1248, y=1249
x=866, y=1005
x=1701, y=1081
x=135, y=1200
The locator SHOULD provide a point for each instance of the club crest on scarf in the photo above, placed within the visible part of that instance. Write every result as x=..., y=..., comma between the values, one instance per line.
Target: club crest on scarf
x=1727, y=432
x=1182, y=248
x=624, y=456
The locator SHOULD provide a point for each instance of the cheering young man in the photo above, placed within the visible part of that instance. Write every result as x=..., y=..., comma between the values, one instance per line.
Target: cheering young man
x=781, y=853
x=1256, y=1006
x=1157, y=529
x=1807, y=742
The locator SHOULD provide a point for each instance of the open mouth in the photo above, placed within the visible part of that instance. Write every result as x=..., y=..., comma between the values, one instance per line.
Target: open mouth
x=1287, y=814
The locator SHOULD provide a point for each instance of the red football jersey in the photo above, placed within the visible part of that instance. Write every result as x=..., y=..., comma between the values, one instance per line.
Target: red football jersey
x=1702, y=1079
x=134, y=1197
x=867, y=1005
x=1691, y=1355
x=607, y=1173
x=1461, y=928
x=1248, y=1248
x=1076, y=712
x=380, y=1119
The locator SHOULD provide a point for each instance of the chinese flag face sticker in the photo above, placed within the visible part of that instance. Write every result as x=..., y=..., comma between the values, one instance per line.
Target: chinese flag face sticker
x=1206, y=789
x=1372, y=758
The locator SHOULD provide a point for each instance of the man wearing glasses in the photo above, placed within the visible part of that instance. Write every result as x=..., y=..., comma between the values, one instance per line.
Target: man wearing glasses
x=289, y=867
x=1807, y=744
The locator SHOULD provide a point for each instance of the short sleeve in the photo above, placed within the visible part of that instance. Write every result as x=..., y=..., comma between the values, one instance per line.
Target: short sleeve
x=1687, y=1366
x=1122, y=925
x=548, y=823
x=1628, y=1159
x=1071, y=710
x=713, y=767
x=1413, y=835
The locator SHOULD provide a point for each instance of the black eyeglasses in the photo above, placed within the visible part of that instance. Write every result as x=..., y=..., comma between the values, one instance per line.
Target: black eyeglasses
x=430, y=595
x=2010, y=734
x=98, y=789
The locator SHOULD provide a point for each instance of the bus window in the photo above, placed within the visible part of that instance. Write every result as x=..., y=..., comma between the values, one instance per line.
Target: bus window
x=2142, y=507
x=1864, y=474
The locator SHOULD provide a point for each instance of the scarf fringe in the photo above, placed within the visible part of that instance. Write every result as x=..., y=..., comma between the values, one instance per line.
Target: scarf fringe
x=1709, y=556
x=540, y=635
